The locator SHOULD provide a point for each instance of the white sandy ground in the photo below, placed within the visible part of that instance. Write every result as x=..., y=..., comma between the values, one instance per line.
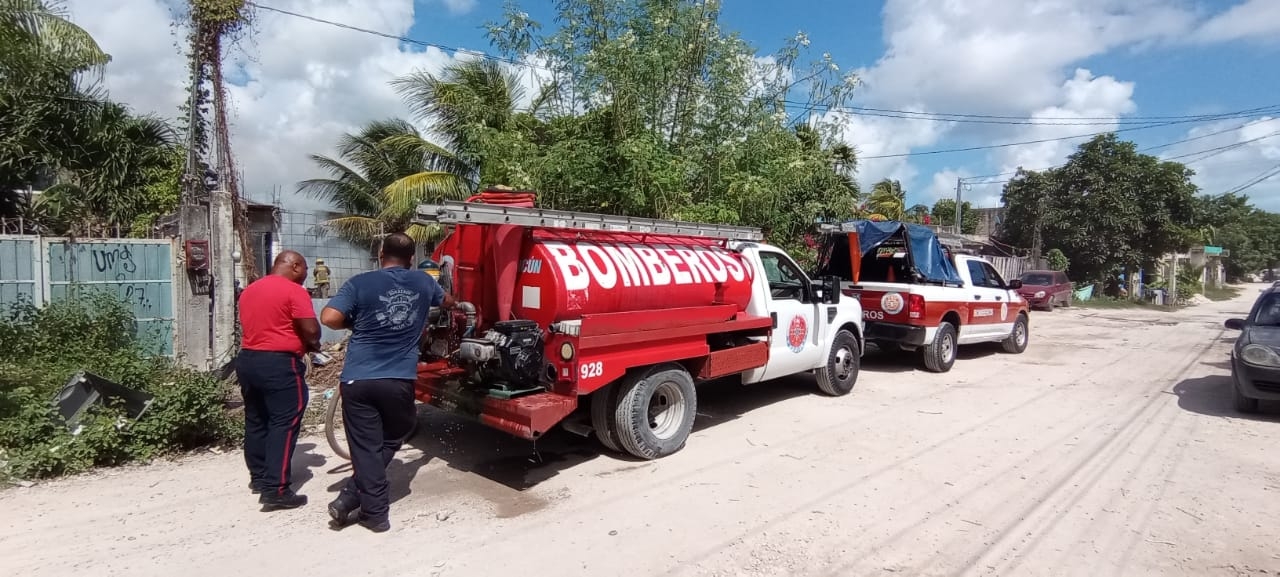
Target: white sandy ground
x=1108, y=448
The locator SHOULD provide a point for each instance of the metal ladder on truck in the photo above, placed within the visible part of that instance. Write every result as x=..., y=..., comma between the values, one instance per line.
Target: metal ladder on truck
x=458, y=212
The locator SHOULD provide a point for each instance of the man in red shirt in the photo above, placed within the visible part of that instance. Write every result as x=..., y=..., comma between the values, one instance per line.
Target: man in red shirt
x=279, y=328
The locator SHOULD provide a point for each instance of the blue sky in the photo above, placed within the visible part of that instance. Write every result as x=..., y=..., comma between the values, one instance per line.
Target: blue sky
x=304, y=83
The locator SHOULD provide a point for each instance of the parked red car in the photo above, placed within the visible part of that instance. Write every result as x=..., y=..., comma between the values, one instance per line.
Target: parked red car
x=1046, y=289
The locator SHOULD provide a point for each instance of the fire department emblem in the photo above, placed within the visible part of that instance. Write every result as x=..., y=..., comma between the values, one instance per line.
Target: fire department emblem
x=399, y=308
x=892, y=303
x=797, y=333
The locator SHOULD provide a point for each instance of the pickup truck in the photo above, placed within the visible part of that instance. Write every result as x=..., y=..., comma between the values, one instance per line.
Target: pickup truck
x=918, y=296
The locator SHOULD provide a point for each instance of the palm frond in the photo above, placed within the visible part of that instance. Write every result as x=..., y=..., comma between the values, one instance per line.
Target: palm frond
x=403, y=196
x=49, y=31
x=356, y=229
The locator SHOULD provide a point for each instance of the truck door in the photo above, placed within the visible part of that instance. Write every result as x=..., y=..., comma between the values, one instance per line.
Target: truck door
x=794, y=345
x=986, y=300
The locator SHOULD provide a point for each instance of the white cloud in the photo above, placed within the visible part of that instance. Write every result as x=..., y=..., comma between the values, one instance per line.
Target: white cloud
x=1250, y=20
x=1234, y=157
x=1002, y=58
x=1083, y=96
x=459, y=6
x=306, y=84
x=876, y=135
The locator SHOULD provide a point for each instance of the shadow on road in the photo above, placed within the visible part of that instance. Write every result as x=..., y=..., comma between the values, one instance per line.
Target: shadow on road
x=1211, y=396
x=304, y=459
x=470, y=447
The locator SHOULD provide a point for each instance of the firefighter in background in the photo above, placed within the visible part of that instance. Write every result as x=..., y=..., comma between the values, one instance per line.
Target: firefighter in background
x=321, y=275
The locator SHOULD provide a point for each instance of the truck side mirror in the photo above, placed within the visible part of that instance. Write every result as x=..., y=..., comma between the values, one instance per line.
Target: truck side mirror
x=1015, y=284
x=830, y=289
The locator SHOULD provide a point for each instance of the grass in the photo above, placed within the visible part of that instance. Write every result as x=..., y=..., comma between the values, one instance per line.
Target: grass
x=1225, y=293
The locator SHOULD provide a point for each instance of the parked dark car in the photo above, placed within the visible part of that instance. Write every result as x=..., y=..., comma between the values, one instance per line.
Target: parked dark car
x=1046, y=289
x=1255, y=360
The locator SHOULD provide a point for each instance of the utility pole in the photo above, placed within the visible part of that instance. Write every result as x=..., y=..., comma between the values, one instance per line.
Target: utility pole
x=958, y=213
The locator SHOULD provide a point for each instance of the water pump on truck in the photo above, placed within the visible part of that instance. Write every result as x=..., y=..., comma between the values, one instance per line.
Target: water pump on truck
x=605, y=323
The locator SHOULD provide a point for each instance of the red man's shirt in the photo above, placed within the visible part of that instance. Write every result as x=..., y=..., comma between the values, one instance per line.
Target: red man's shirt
x=268, y=307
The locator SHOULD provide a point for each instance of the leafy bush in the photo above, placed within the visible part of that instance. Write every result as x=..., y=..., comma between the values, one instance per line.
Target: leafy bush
x=45, y=347
x=1057, y=260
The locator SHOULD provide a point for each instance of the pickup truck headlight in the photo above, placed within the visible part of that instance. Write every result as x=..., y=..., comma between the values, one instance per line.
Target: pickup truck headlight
x=1039, y=294
x=1260, y=355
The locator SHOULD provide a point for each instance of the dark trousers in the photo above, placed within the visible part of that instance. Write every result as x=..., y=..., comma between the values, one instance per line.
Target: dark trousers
x=275, y=396
x=378, y=414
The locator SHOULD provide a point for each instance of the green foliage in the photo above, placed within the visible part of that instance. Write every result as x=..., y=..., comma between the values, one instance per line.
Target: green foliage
x=1252, y=235
x=45, y=347
x=1107, y=208
x=97, y=163
x=651, y=109
x=1057, y=260
x=944, y=214
x=888, y=200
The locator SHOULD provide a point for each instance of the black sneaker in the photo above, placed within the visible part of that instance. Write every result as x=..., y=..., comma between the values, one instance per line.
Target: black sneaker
x=255, y=488
x=288, y=500
x=375, y=524
x=344, y=510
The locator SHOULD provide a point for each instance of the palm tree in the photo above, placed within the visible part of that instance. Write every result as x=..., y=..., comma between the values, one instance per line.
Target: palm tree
x=888, y=199
x=380, y=177
x=41, y=27
x=469, y=106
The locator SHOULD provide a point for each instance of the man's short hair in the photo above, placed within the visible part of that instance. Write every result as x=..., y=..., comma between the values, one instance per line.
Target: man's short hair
x=399, y=245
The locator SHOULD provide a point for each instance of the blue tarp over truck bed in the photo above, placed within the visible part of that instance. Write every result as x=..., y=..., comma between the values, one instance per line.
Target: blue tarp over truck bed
x=925, y=251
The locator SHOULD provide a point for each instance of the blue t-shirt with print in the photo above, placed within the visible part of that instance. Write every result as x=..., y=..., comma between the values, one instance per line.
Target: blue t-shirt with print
x=386, y=310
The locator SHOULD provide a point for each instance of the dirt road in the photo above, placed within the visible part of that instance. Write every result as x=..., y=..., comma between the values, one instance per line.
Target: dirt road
x=1108, y=448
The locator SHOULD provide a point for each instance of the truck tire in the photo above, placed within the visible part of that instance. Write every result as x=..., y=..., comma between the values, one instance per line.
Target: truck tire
x=837, y=377
x=939, y=355
x=1017, y=340
x=655, y=412
x=604, y=404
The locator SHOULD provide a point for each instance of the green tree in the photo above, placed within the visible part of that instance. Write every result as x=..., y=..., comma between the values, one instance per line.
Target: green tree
x=918, y=213
x=1108, y=208
x=1251, y=235
x=651, y=109
x=380, y=176
x=944, y=214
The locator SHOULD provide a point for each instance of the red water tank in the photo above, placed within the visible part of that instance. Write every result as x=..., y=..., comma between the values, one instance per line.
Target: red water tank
x=563, y=275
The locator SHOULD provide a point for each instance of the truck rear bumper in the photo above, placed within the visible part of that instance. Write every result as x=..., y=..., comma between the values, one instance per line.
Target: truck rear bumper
x=527, y=417
x=909, y=335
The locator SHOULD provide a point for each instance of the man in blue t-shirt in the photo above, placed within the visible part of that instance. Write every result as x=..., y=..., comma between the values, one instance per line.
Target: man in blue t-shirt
x=386, y=312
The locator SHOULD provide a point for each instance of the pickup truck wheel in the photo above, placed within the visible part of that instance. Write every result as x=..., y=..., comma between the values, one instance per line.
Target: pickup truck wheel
x=1016, y=342
x=940, y=354
x=604, y=403
x=838, y=376
x=655, y=412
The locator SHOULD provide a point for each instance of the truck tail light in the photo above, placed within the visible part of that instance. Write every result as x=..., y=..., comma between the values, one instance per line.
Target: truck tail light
x=915, y=306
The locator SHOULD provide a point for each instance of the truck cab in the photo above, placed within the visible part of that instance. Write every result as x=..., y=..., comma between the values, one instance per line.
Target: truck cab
x=807, y=317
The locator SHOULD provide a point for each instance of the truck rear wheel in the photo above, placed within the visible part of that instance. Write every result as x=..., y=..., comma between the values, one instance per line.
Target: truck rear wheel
x=655, y=412
x=604, y=403
x=939, y=355
x=838, y=376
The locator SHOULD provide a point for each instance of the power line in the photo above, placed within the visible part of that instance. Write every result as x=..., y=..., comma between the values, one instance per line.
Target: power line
x=1273, y=171
x=396, y=37
x=1238, y=114
x=1153, y=121
x=1150, y=148
x=1029, y=121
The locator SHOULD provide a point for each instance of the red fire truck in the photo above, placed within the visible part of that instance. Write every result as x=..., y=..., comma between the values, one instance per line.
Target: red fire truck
x=604, y=324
